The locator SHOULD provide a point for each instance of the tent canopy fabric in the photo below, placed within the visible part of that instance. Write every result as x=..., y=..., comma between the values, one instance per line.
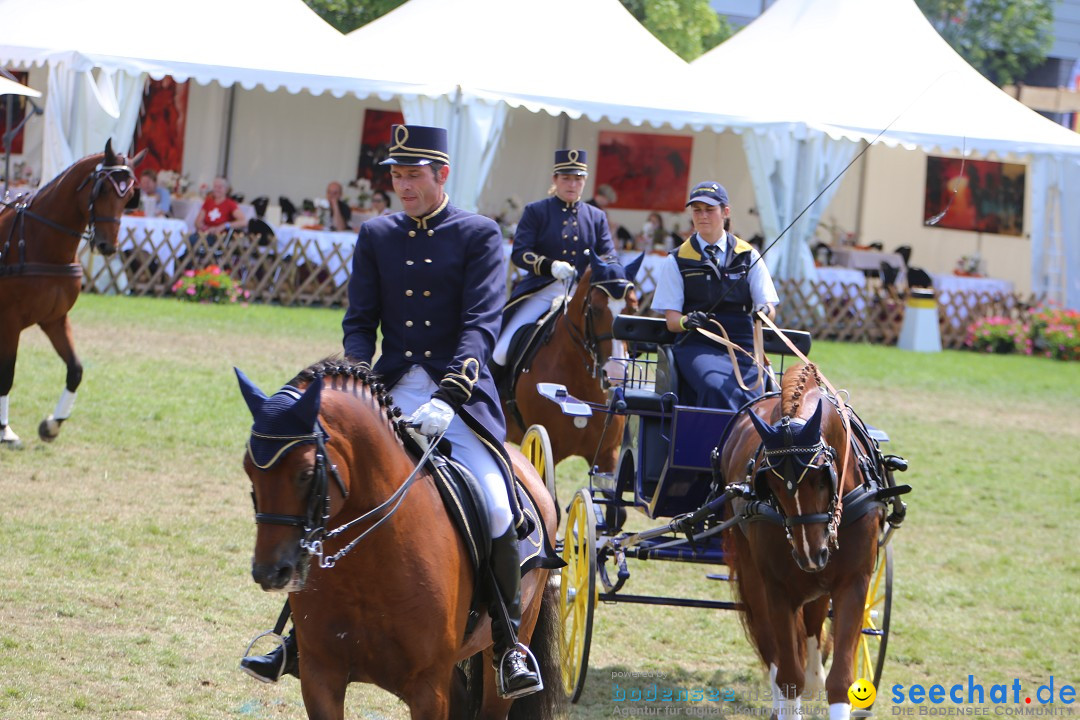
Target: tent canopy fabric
x=273, y=43
x=863, y=67
x=585, y=58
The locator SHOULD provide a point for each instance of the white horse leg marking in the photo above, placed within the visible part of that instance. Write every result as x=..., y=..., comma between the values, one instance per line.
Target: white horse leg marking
x=839, y=711
x=7, y=435
x=65, y=405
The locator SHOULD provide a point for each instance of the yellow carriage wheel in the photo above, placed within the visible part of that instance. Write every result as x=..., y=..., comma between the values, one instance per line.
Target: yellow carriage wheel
x=577, y=592
x=870, y=653
x=536, y=447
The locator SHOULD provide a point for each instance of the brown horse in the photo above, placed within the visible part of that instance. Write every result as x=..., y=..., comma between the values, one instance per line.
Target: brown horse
x=796, y=449
x=39, y=276
x=580, y=345
x=387, y=601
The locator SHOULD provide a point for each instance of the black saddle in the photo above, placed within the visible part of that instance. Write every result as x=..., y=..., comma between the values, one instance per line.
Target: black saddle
x=526, y=343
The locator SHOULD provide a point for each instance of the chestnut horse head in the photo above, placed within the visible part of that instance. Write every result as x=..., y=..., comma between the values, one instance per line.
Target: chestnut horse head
x=91, y=193
x=798, y=466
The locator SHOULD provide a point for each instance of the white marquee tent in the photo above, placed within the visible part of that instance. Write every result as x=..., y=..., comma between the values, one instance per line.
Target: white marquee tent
x=867, y=67
x=99, y=54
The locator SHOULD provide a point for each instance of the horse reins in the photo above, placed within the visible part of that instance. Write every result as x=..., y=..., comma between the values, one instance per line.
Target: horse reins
x=21, y=206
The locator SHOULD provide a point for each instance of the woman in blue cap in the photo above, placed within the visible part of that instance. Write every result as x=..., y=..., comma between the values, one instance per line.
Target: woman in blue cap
x=713, y=278
x=431, y=278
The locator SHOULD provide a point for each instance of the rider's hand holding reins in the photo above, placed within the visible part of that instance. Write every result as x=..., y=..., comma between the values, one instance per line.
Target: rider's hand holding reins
x=561, y=270
x=433, y=417
x=695, y=320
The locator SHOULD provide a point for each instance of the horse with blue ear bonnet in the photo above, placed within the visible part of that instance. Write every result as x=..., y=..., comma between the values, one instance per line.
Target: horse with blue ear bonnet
x=327, y=450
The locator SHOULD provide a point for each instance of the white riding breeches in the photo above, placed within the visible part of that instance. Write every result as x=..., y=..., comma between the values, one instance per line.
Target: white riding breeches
x=413, y=390
x=529, y=312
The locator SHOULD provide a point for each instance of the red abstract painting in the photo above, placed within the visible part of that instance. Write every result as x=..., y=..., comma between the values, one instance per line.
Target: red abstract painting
x=647, y=172
x=375, y=146
x=975, y=195
x=161, y=124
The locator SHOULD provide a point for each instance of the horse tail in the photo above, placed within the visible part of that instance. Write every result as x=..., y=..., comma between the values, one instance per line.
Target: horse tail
x=548, y=704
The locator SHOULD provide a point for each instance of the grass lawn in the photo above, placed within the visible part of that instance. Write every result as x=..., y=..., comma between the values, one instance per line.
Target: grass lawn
x=128, y=540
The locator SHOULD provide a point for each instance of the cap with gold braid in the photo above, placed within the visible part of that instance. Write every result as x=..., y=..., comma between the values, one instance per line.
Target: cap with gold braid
x=571, y=162
x=417, y=145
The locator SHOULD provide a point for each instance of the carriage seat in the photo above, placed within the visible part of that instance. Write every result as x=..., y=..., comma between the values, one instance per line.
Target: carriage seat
x=650, y=334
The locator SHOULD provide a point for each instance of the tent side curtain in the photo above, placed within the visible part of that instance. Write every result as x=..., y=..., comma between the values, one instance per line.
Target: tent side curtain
x=789, y=172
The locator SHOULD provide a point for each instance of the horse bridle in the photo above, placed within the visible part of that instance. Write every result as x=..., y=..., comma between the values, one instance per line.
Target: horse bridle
x=791, y=463
x=22, y=211
x=100, y=174
x=587, y=338
x=318, y=505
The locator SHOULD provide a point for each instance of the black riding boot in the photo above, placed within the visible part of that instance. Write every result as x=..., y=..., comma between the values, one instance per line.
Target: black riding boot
x=515, y=667
x=282, y=660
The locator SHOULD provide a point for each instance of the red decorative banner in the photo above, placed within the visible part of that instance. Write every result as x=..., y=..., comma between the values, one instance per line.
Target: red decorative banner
x=647, y=172
x=161, y=125
x=375, y=147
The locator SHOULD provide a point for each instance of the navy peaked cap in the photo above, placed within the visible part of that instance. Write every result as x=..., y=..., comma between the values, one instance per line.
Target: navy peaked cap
x=710, y=193
x=418, y=145
x=571, y=162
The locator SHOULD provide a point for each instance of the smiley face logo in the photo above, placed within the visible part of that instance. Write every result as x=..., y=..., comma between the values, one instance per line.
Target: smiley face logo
x=862, y=693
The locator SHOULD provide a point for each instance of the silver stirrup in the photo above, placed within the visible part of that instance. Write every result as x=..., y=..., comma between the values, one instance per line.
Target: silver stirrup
x=281, y=643
x=530, y=661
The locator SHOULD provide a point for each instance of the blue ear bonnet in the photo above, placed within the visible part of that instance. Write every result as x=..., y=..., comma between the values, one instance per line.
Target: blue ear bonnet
x=286, y=419
x=611, y=277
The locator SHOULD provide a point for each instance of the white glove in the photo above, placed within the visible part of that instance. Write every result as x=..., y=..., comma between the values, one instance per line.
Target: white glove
x=433, y=417
x=561, y=270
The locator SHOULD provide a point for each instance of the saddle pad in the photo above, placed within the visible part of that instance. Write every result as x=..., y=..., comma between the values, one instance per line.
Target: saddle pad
x=464, y=500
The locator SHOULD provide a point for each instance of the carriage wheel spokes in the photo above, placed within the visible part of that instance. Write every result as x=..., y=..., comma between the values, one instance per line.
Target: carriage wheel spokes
x=577, y=593
x=536, y=446
x=870, y=653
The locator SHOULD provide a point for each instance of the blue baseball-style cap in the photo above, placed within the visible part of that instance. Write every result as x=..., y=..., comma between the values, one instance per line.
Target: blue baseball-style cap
x=571, y=162
x=418, y=145
x=710, y=193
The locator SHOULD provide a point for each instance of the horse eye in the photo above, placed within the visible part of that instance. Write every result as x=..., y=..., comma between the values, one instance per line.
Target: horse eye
x=306, y=476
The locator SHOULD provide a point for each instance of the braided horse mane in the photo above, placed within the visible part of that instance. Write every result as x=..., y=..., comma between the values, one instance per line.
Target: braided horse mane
x=799, y=382
x=358, y=379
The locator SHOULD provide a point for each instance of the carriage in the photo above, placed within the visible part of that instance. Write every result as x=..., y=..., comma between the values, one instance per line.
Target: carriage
x=669, y=470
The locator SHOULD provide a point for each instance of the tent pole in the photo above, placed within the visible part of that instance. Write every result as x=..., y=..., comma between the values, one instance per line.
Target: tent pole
x=859, y=205
x=228, y=130
x=9, y=136
x=564, y=130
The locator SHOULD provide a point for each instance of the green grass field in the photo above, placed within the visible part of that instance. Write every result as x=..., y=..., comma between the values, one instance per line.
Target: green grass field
x=127, y=542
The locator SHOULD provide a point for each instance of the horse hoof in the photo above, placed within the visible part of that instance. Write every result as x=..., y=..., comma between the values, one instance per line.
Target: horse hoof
x=11, y=444
x=49, y=429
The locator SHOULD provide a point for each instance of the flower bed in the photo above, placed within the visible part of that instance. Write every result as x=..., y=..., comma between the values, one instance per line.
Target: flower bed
x=210, y=285
x=1052, y=332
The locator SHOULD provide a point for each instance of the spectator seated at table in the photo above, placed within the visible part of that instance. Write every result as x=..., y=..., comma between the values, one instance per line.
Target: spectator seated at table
x=338, y=211
x=219, y=212
x=380, y=203
x=150, y=189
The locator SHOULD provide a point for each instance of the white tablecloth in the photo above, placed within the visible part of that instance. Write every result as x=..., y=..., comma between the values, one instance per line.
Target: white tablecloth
x=978, y=288
x=840, y=282
x=850, y=257
x=334, y=249
x=160, y=236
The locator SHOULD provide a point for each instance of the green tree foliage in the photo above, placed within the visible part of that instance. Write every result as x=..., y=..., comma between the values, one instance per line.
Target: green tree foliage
x=347, y=15
x=689, y=27
x=1002, y=39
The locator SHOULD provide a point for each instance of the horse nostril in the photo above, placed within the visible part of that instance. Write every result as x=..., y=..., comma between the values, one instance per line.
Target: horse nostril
x=822, y=557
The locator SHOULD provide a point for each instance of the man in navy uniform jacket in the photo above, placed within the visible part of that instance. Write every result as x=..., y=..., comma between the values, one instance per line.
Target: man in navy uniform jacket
x=432, y=278
x=554, y=242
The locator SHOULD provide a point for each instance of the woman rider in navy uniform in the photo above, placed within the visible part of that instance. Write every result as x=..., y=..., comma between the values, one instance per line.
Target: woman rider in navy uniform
x=432, y=278
x=554, y=241
x=713, y=276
